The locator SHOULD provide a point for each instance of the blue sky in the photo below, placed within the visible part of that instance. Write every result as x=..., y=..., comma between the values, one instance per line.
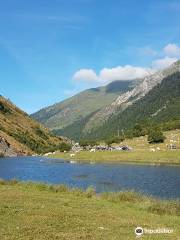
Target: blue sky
x=52, y=49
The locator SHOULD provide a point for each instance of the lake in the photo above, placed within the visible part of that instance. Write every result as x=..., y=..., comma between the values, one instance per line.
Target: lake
x=159, y=181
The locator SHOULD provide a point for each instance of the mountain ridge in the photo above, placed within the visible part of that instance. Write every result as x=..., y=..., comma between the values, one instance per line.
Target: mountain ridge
x=127, y=93
x=160, y=106
x=81, y=105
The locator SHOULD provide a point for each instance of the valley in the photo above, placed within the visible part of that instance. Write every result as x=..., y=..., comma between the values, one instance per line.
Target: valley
x=90, y=120
x=142, y=152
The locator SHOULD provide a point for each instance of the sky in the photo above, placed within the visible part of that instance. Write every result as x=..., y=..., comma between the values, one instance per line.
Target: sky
x=53, y=49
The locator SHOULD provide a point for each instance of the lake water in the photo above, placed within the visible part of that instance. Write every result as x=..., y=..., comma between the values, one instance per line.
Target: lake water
x=159, y=181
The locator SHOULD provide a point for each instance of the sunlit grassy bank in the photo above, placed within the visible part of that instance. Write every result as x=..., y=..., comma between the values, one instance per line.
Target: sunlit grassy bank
x=38, y=211
x=141, y=157
x=141, y=153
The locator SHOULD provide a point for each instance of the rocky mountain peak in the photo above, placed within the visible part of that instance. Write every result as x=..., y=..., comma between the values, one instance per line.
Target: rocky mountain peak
x=147, y=84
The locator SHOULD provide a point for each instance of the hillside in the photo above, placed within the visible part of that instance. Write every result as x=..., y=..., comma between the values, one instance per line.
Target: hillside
x=160, y=106
x=88, y=113
x=81, y=106
x=21, y=135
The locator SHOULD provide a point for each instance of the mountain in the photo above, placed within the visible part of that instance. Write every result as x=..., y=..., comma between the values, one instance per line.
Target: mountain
x=160, y=106
x=20, y=134
x=81, y=107
x=87, y=113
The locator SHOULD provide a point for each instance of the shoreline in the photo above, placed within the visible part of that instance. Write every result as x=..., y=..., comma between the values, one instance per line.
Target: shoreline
x=164, y=158
x=74, y=160
x=85, y=161
x=44, y=186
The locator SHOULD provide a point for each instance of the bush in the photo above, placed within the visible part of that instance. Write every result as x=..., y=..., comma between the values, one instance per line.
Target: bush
x=64, y=147
x=139, y=130
x=156, y=136
x=38, y=145
x=27, y=139
x=41, y=133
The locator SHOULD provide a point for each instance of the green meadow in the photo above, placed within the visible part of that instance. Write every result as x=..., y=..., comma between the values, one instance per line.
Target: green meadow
x=31, y=211
x=138, y=157
x=141, y=152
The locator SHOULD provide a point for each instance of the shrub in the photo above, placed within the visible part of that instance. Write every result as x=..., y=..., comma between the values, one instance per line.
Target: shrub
x=156, y=136
x=29, y=141
x=35, y=144
x=64, y=147
x=41, y=133
x=139, y=130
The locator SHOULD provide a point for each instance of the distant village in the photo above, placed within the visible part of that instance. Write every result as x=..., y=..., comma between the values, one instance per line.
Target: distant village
x=77, y=148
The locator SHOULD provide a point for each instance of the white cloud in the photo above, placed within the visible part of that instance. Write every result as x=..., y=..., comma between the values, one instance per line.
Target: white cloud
x=106, y=75
x=168, y=55
x=163, y=62
x=126, y=72
x=172, y=50
x=86, y=75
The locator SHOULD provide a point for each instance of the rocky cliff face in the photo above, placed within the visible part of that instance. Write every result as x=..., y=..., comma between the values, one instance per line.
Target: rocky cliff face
x=6, y=149
x=141, y=88
x=160, y=107
x=127, y=98
x=147, y=84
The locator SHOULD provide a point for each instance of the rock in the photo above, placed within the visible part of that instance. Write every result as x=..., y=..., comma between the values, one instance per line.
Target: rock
x=6, y=149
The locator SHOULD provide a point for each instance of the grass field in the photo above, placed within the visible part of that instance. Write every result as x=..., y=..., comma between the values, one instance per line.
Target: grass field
x=141, y=152
x=141, y=157
x=30, y=211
